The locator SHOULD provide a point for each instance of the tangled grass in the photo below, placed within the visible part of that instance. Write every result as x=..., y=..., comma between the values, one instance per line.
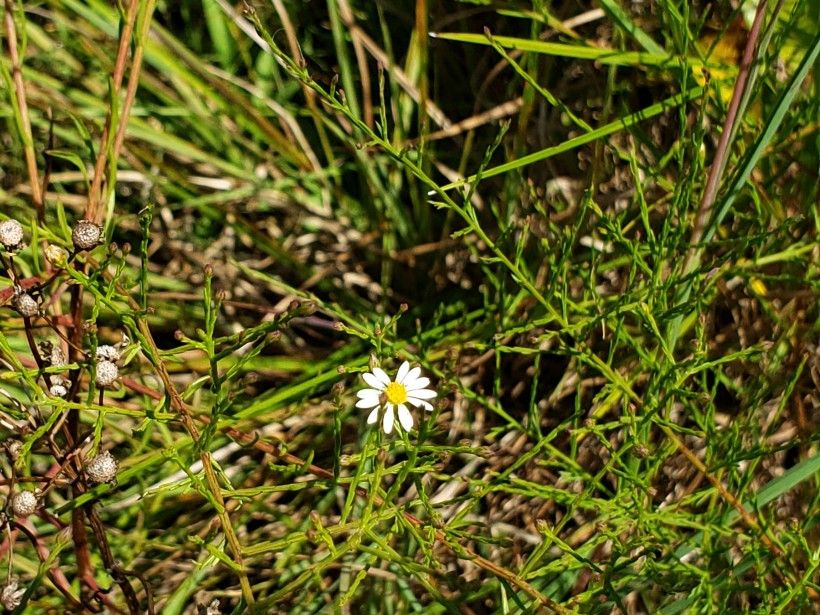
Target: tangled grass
x=592, y=226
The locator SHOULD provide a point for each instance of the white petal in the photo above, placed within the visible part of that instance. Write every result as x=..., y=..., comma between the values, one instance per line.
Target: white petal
x=403, y=369
x=367, y=393
x=383, y=378
x=389, y=417
x=422, y=393
x=420, y=404
x=367, y=402
x=411, y=376
x=373, y=380
x=404, y=418
x=373, y=416
x=418, y=383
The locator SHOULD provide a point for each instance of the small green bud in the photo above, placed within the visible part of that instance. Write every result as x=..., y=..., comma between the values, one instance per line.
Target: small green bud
x=56, y=255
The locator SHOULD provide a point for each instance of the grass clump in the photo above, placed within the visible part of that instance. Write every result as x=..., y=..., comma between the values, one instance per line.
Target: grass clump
x=573, y=247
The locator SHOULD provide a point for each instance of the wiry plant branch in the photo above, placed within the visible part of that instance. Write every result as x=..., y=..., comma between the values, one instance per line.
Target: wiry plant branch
x=22, y=107
x=722, y=152
x=116, y=83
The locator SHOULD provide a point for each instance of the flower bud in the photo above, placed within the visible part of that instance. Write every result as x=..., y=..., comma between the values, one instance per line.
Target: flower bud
x=86, y=235
x=306, y=308
x=11, y=234
x=101, y=469
x=107, y=373
x=26, y=304
x=23, y=503
x=56, y=255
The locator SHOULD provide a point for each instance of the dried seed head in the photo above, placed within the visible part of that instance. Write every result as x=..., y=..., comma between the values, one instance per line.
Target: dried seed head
x=11, y=234
x=12, y=595
x=24, y=503
x=86, y=235
x=641, y=450
x=26, y=304
x=101, y=469
x=46, y=348
x=13, y=449
x=52, y=355
x=59, y=386
x=108, y=353
x=211, y=609
x=107, y=373
x=56, y=255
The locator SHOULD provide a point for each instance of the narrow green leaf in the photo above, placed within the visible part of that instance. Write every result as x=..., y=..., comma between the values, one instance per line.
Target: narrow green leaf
x=579, y=51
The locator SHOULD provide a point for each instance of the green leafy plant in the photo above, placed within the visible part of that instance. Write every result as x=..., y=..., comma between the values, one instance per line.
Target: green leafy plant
x=562, y=257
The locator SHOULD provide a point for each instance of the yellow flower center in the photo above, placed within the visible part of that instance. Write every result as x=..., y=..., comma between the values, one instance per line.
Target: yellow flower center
x=395, y=393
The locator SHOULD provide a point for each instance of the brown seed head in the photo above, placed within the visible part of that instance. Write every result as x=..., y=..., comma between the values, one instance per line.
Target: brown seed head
x=26, y=305
x=86, y=235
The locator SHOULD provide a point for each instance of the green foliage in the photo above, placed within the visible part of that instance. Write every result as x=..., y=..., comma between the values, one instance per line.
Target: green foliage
x=508, y=195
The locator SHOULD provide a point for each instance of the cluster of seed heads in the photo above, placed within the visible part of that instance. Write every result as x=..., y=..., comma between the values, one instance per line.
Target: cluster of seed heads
x=86, y=235
x=101, y=469
x=11, y=235
x=24, y=503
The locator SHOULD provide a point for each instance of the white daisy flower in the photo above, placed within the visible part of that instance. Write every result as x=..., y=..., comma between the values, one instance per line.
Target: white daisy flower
x=409, y=387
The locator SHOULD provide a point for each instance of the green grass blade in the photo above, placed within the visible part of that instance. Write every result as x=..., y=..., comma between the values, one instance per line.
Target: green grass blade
x=578, y=52
x=594, y=135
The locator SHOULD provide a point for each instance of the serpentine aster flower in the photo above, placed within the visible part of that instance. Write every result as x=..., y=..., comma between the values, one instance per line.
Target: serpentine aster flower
x=391, y=397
